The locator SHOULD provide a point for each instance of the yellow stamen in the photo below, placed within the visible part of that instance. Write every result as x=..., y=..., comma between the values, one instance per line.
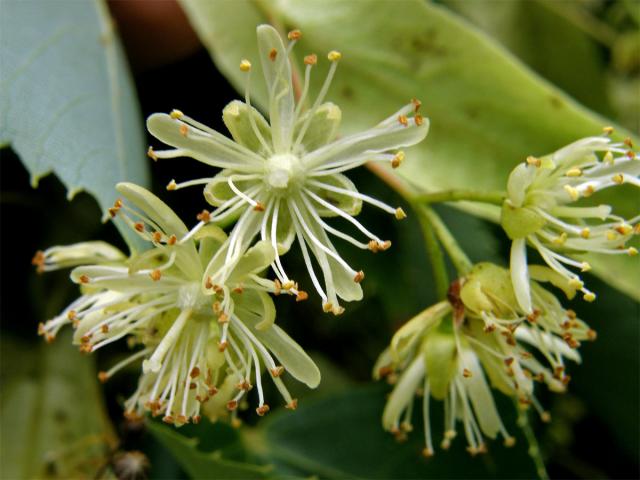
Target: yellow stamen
x=334, y=56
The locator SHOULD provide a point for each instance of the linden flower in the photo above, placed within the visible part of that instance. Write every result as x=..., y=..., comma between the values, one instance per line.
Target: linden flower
x=192, y=346
x=281, y=178
x=502, y=330
x=540, y=209
x=445, y=352
x=437, y=361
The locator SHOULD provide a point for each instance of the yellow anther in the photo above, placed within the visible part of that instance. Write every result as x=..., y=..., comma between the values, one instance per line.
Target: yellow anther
x=627, y=141
x=611, y=235
x=301, y=296
x=561, y=239
x=294, y=35
x=175, y=114
x=151, y=154
x=288, y=285
x=631, y=154
x=292, y=405
x=624, y=229
x=536, y=162
x=359, y=276
x=589, y=297
x=334, y=56
x=172, y=185
x=400, y=213
x=588, y=191
x=223, y=318
x=386, y=245
x=572, y=192
x=466, y=373
x=262, y=410
x=155, y=275
x=633, y=251
x=406, y=427
x=416, y=104
x=576, y=283
x=607, y=130
x=427, y=452
x=509, y=442
x=311, y=59
x=636, y=229
x=419, y=119
x=204, y=216
x=277, y=371
x=574, y=172
x=608, y=157
x=103, y=377
x=403, y=120
x=585, y=267
x=618, y=178
x=585, y=232
x=397, y=159
x=245, y=65
x=327, y=307
x=232, y=405
x=337, y=310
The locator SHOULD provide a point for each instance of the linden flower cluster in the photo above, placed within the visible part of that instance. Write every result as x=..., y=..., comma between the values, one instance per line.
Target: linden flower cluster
x=191, y=350
x=280, y=178
x=541, y=209
x=195, y=305
x=480, y=336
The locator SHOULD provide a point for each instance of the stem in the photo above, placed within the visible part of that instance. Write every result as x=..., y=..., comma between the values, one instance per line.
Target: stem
x=458, y=257
x=534, y=447
x=437, y=257
x=492, y=197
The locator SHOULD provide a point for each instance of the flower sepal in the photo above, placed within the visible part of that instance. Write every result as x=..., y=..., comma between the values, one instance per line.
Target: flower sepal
x=518, y=222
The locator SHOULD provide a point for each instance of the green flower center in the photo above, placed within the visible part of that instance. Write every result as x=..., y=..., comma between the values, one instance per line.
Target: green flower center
x=283, y=171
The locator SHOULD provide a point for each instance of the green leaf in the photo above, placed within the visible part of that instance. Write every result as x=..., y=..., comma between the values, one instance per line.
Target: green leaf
x=54, y=424
x=350, y=423
x=488, y=111
x=222, y=461
x=67, y=98
x=551, y=38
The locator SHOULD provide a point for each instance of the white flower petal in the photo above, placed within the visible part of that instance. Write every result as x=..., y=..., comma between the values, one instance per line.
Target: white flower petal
x=403, y=393
x=374, y=140
x=519, y=180
x=292, y=357
x=211, y=147
x=520, y=274
x=277, y=73
x=480, y=395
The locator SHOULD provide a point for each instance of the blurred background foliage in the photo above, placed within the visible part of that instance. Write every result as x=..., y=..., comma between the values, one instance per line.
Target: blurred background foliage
x=499, y=79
